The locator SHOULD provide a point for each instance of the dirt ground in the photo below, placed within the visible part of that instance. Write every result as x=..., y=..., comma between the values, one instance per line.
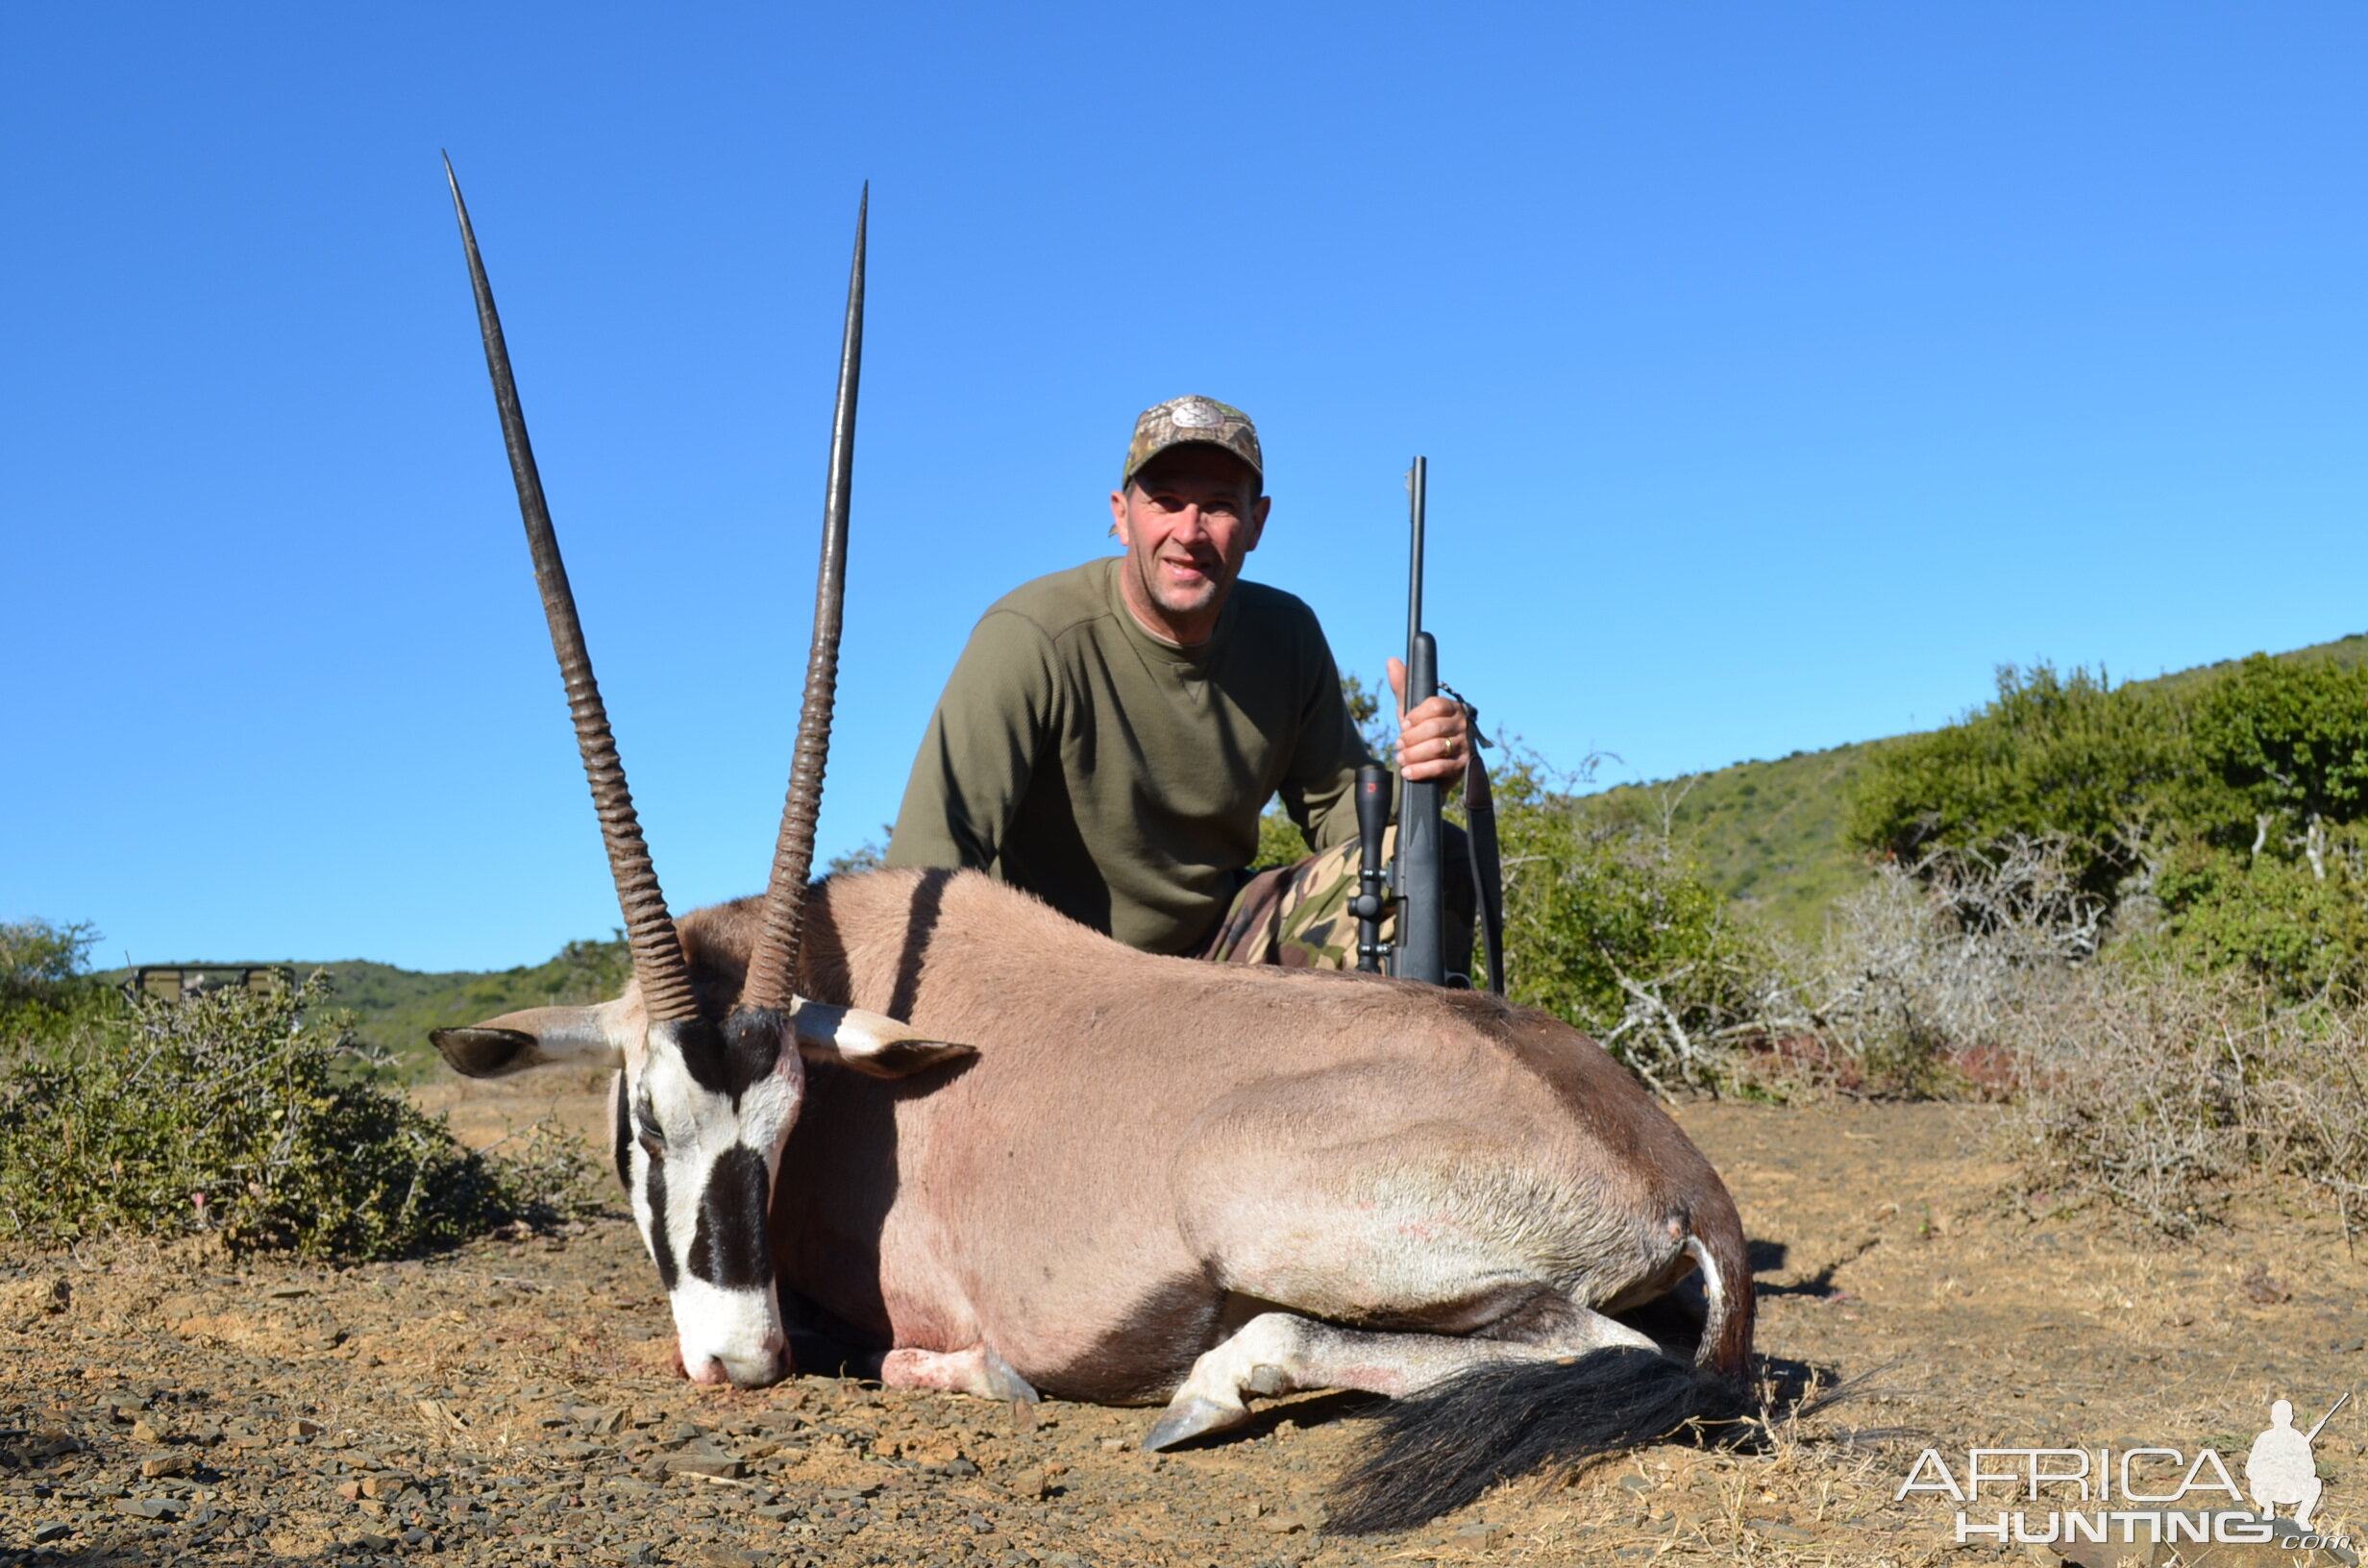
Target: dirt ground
x=512, y=1403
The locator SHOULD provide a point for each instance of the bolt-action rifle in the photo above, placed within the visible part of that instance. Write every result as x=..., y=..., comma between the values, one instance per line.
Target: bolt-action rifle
x=1417, y=886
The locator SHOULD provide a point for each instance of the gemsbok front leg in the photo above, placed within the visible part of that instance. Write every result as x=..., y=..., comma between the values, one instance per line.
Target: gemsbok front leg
x=977, y=1370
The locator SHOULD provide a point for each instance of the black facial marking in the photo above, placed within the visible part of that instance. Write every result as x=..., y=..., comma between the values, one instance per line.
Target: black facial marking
x=731, y=1248
x=700, y=1044
x=749, y=1051
x=621, y=1136
x=727, y=1061
x=661, y=1246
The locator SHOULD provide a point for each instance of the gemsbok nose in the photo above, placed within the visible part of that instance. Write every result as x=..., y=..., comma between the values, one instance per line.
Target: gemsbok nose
x=767, y=1367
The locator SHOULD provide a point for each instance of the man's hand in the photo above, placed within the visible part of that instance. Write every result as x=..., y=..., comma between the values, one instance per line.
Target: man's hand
x=1431, y=740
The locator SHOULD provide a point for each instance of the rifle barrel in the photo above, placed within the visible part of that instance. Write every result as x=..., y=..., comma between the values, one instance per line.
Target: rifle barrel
x=1418, y=480
x=1421, y=951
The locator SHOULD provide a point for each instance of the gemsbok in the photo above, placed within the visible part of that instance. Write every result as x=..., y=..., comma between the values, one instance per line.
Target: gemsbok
x=1001, y=1154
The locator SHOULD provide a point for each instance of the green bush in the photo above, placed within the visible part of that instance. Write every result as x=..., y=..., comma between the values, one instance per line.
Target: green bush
x=2230, y=806
x=2264, y=915
x=1280, y=842
x=43, y=976
x=2073, y=758
x=868, y=856
x=249, y=1114
x=1609, y=926
x=2288, y=739
x=592, y=970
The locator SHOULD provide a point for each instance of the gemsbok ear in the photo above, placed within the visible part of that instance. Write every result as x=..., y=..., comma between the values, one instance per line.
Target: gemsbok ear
x=870, y=1043
x=575, y=1036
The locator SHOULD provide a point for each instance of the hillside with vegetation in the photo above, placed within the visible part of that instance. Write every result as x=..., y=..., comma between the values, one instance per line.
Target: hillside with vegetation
x=1771, y=835
x=392, y=1008
x=1774, y=836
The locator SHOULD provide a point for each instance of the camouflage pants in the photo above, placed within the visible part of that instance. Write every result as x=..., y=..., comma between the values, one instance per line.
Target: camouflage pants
x=1296, y=916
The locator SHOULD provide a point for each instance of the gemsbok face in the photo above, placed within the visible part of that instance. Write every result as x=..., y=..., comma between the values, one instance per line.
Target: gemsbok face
x=698, y=1118
x=699, y=1136
x=696, y=1134
x=707, y=1088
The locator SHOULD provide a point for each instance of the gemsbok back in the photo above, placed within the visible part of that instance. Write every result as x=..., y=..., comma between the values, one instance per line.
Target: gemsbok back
x=1003, y=1155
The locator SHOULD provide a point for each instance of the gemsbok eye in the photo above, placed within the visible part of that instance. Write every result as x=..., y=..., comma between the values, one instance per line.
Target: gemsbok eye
x=647, y=1132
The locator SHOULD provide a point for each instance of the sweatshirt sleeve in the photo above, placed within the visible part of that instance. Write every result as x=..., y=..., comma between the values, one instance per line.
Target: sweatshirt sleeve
x=1320, y=791
x=998, y=714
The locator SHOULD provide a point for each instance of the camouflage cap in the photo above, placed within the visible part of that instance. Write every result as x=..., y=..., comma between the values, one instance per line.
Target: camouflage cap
x=1186, y=420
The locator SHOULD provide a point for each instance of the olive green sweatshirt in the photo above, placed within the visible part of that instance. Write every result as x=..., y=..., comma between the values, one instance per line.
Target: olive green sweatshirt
x=1120, y=777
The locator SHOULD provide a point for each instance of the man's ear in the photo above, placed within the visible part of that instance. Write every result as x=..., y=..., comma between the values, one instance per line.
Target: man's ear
x=870, y=1043
x=1117, y=519
x=1257, y=521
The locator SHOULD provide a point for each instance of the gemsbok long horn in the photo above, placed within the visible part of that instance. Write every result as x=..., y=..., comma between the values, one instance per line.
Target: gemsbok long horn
x=773, y=967
x=649, y=929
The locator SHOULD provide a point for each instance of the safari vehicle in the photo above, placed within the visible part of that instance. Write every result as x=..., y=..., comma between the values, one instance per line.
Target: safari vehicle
x=186, y=982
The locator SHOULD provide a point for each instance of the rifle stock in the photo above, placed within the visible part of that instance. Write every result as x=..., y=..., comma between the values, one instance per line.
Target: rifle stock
x=1421, y=910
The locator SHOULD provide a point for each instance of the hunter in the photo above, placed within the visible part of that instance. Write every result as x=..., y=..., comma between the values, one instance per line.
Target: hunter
x=1112, y=732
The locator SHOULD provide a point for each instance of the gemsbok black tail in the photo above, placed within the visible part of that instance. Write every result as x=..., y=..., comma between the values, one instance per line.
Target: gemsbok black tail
x=1441, y=1449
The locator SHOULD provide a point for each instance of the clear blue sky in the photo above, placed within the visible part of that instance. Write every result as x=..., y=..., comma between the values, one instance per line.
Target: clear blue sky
x=1782, y=369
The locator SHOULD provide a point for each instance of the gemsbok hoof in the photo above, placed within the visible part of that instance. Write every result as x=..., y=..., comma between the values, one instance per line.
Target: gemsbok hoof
x=1190, y=1418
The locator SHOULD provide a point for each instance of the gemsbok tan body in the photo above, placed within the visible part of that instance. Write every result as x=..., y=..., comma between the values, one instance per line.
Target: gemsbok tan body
x=924, y=1117
x=1159, y=1180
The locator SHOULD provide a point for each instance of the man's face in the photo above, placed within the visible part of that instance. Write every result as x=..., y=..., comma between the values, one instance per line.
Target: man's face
x=1188, y=518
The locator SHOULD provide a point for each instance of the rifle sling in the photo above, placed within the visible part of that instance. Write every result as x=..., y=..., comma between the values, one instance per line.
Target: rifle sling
x=1487, y=864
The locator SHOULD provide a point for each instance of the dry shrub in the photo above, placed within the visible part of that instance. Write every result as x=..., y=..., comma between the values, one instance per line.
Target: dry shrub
x=2161, y=1090
x=1927, y=976
x=2155, y=1088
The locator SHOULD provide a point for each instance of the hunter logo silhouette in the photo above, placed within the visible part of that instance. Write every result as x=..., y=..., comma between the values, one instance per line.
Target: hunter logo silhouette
x=2280, y=1469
